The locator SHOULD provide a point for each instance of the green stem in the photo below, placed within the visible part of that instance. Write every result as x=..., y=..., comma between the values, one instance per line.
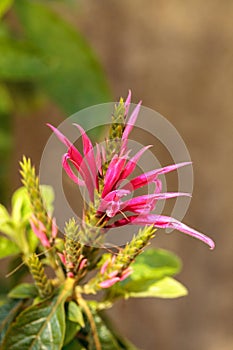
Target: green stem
x=87, y=310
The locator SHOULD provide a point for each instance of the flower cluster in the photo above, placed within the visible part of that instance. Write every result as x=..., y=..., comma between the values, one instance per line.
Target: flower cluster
x=78, y=264
x=103, y=176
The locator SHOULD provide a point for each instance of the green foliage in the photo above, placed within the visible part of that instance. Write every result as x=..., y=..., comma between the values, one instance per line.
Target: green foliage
x=60, y=66
x=28, y=333
x=19, y=238
x=74, y=79
x=155, y=264
x=74, y=345
x=39, y=326
x=8, y=312
x=20, y=62
x=21, y=209
x=31, y=182
x=166, y=287
x=23, y=291
x=150, y=277
x=74, y=313
x=7, y=247
x=107, y=339
x=72, y=329
x=5, y=6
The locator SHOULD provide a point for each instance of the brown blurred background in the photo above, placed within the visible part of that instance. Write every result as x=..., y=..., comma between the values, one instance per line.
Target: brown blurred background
x=177, y=57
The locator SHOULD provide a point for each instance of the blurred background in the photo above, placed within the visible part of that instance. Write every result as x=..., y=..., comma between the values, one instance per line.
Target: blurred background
x=57, y=57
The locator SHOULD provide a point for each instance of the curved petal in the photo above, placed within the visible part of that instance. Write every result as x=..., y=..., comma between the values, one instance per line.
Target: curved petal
x=161, y=221
x=72, y=150
x=60, y=136
x=146, y=203
x=152, y=175
x=88, y=151
x=132, y=163
x=109, y=282
x=127, y=102
x=113, y=174
x=70, y=172
x=129, y=126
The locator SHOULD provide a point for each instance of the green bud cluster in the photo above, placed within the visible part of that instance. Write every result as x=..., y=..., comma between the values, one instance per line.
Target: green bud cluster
x=73, y=247
x=31, y=182
x=132, y=249
x=42, y=282
x=113, y=144
x=123, y=258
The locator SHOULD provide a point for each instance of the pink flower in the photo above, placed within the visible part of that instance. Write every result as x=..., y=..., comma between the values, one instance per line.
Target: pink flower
x=112, y=196
x=114, y=276
x=62, y=258
x=40, y=231
x=109, y=282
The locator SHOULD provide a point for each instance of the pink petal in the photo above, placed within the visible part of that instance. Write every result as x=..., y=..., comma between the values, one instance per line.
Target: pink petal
x=131, y=122
x=73, y=152
x=115, y=195
x=82, y=264
x=159, y=186
x=54, y=228
x=113, y=274
x=61, y=137
x=113, y=173
x=62, y=257
x=109, y=283
x=147, y=203
x=111, y=202
x=70, y=274
x=40, y=234
x=127, y=102
x=87, y=145
x=104, y=267
x=88, y=151
x=70, y=172
x=126, y=273
x=151, y=176
x=98, y=159
x=132, y=163
x=161, y=221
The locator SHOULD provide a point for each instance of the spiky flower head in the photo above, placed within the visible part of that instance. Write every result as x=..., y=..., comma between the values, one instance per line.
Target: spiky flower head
x=43, y=283
x=104, y=178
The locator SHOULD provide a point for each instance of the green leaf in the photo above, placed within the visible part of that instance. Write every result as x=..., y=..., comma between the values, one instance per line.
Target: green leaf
x=166, y=287
x=47, y=193
x=122, y=342
x=155, y=264
x=71, y=330
x=7, y=247
x=74, y=345
x=21, y=209
x=8, y=312
x=74, y=313
x=150, y=277
x=107, y=339
x=20, y=62
x=32, y=240
x=75, y=79
x=41, y=326
x=74, y=321
x=6, y=225
x=5, y=6
x=23, y=291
